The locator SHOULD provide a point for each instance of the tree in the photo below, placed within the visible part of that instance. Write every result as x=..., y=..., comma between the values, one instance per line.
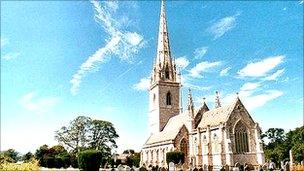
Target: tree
x=129, y=151
x=84, y=133
x=103, y=137
x=89, y=160
x=75, y=135
x=274, y=134
x=280, y=143
x=54, y=157
x=175, y=157
x=27, y=156
x=13, y=154
x=133, y=159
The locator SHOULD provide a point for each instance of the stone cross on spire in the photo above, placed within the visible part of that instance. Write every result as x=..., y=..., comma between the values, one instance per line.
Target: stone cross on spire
x=190, y=104
x=217, y=100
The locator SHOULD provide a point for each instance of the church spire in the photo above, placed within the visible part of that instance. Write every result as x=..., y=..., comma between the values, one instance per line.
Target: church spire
x=164, y=68
x=163, y=47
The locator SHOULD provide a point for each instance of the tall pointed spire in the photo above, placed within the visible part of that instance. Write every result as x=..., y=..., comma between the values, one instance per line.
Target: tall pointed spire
x=163, y=47
x=164, y=68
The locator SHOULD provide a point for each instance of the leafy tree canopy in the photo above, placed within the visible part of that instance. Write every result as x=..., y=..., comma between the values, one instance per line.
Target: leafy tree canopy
x=277, y=149
x=84, y=133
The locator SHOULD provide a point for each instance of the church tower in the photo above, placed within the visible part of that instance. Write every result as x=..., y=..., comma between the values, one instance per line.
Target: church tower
x=164, y=89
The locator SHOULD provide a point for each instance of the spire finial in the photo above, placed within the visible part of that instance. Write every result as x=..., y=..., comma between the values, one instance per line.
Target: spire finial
x=190, y=103
x=217, y=99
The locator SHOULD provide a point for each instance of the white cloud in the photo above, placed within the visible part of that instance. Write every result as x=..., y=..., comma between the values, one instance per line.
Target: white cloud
x=143, y=84
x=249, y=86
x=4, y=41
x=40, y=105
x=196, y=87
x=200, y=52
x=224, y=72
x=10, y=56
x=182, y=62
x=300, y=2
x=284, y=9
x=219, y=28
x=252, y=98
x=123, y=44
x=261, y=68
x=202, y=67
x=275, y=75
x=260, y=100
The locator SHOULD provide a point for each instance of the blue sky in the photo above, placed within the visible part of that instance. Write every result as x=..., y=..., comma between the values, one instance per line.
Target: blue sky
x=60, y=60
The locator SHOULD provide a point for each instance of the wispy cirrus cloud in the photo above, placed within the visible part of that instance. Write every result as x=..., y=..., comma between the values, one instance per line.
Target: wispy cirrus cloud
x=182, y=62
x=202, y=67
x=143, y=84
x=121, y=43
x=200, y=52
x=10, y=56
x=4, y=41
x=275, y=75
x=261, y=68
x=225, y=71
x=32, y=102
x=223, y=25
x=251, y=97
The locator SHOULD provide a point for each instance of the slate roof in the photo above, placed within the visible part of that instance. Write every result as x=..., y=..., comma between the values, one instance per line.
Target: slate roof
x=212, y=117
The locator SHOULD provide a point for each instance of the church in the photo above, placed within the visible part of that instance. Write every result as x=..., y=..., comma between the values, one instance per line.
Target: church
x=223, y=135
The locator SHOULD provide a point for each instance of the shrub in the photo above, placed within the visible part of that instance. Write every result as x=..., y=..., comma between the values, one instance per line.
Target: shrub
x=31, y=165
x=50, y=161
x=175, y=157
x=89, y=160
x=74, y=161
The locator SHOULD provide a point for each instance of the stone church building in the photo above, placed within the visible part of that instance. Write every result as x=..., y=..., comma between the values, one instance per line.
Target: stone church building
x=224, y=135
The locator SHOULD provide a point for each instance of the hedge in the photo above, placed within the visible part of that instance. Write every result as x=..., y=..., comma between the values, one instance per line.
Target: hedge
x=175, y=157
x=89, y=160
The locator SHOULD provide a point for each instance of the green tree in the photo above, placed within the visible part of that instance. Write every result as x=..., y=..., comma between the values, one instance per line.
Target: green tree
x=40, y=153
x=27, y=157
x=175, y=156
x=89, y=160
x=84, y=133
x=103, y=137
x=133, y=159
x=13, y=154
x=75, y=136
x=54, y=157
x=280, y=143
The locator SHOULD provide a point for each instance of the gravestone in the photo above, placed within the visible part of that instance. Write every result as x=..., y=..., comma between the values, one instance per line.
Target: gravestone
x=163, y=169
x=142, y=168
x=127, y=168
x=120, y=167
x=171, y=166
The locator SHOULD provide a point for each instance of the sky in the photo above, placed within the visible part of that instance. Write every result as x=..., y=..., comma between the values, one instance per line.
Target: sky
x=60, y=60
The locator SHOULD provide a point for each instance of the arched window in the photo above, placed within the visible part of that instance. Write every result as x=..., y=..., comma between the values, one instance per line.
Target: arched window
x=241, y=138
x=168, y=98
x=167, y=75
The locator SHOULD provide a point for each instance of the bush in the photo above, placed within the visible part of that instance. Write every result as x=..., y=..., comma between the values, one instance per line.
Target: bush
x=74, y=161
x=175, y=157
x=89, y=160
x=31, y=165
